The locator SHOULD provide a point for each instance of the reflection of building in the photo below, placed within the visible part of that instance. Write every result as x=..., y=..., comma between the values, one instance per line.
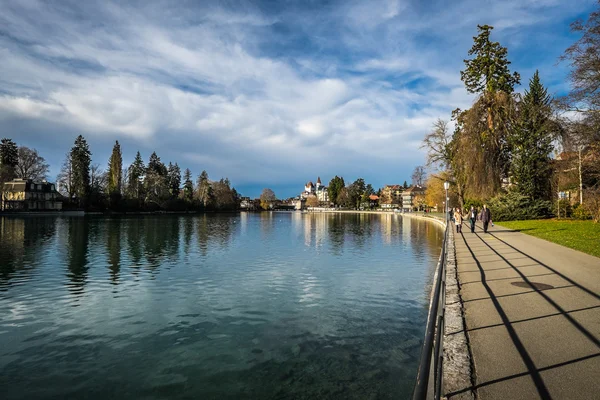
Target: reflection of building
x=21, y=194
x=413, y=197
x=317, y=190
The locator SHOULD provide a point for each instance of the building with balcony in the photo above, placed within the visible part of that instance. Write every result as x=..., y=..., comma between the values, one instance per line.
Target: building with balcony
x=27, y=195
x=413, y=198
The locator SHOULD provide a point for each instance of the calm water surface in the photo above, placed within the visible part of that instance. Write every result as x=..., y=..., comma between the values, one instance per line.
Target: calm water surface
x=256, y=306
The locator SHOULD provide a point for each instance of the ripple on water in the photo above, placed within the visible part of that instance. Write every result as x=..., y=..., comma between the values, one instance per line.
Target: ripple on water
x=213, y=306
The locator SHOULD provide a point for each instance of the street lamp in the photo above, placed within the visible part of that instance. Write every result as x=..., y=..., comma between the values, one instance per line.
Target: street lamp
x=446, y=186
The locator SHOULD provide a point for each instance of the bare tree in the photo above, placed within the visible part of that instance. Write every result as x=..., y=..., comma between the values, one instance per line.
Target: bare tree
x=584, y=56
x=65, y=178
x=267, y=197
x=419, y=176
x=31, y=165
x=98, y=179
x=437, y=143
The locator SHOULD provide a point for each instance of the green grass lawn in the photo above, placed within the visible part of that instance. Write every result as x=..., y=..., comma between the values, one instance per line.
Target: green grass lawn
x=579, y=235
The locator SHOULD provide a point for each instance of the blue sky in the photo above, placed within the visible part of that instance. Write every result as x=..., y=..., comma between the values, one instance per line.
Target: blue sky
x=267, y=93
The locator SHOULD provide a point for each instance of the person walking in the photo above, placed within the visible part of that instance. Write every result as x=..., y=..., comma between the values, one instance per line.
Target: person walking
x=473, y=218
x=458, y=220
x=485, y=217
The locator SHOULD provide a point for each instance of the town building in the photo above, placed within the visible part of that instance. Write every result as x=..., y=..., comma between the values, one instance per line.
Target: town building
x=317, y=190
x=27, y=195
x=247, y=204
x=413, y=198
x=391, y=196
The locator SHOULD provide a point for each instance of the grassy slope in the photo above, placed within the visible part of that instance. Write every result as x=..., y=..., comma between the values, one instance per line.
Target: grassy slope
x=579, y=235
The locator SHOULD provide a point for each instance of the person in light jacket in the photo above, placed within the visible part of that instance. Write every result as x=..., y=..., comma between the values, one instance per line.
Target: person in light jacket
x=485, y=217
x=458, y=220
x=473, y=218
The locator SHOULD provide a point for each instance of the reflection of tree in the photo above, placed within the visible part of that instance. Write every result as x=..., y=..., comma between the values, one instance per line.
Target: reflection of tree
x=172, y=236
x=202, y=231
x=337, y=232
x=360, y=228
x=213, y=229
x=188, y=231
x=20, y=243
x=135, y=227
x=77, y=252
x=114, y=248
x=266, y=223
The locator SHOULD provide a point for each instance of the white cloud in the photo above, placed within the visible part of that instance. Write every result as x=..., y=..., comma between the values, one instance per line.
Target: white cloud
x=226, y=90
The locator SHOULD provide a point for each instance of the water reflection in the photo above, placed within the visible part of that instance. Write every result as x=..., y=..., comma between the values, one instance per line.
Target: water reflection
x=78, y=235
x=20, y=242
x=271, y=305
x=113, y=245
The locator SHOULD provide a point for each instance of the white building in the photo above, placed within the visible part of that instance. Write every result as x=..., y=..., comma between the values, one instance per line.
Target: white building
x=317, y=190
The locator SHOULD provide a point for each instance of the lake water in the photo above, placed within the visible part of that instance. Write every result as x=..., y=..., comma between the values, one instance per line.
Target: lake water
x=239, y=306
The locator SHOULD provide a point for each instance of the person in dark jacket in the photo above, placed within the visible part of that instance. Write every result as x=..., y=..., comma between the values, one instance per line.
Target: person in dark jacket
x=485, y=217
x=473, y=218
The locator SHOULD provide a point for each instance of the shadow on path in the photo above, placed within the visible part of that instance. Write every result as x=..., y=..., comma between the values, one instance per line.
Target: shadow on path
x=500, y=249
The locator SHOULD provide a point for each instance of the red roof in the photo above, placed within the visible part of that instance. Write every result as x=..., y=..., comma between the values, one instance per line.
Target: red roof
x=373, y=197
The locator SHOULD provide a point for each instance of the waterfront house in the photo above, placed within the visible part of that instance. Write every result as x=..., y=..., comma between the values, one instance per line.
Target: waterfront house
x=27, y=195
x=391, y=196
x=413, y=198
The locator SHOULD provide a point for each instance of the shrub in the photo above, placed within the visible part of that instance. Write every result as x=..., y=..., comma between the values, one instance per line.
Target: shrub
x=565, y=209
x=591, y=203
x=580, y=212
x=514, y=206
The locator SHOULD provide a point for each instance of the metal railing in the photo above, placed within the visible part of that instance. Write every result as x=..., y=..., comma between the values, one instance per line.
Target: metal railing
x=430, y=367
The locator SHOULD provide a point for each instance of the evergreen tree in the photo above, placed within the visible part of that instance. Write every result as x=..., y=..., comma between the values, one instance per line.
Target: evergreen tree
x=204, y=192
x=156, y=166
x=9, y=158
x=174, y=178
x=335, y=186
x=115, y=166
x=532, y=142
x=188, y=185
x=355, y=192
x=488, y=70
x=405, y=185
x=136, y=173
x=156, y=180
x=81, y=158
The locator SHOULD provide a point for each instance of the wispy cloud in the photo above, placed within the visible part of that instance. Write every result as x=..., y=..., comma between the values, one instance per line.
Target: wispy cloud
x=263, y=93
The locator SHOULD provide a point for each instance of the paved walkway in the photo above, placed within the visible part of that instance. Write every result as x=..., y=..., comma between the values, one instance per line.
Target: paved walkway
x=532, y=314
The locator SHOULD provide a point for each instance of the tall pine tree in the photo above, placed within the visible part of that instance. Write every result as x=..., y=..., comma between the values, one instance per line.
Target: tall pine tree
x=188, y=185
x=156, y=180
x=9, y=158
x=488, y=70
x=115, y=166
x=81, y=158
x=532, y=142
x=135, y=176
x=204, y=190
x=174, y=178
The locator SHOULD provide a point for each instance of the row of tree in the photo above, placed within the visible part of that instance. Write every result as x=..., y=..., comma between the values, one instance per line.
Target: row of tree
x=154, y=186
x=505, y=141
